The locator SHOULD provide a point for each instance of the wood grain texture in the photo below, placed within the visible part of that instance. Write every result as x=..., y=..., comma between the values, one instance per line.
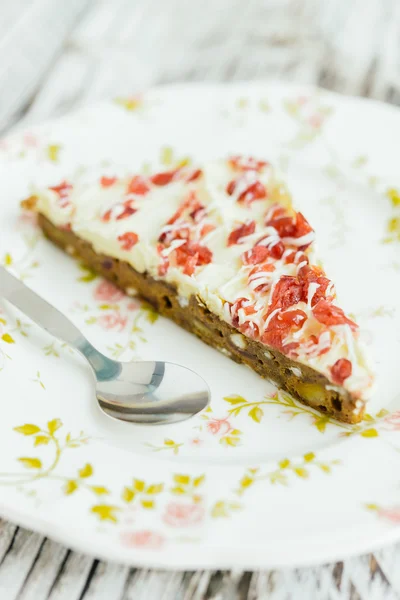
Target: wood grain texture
x=57, y=55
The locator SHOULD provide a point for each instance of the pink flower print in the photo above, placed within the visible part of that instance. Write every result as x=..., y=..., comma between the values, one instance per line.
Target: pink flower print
x=113, y=321
x=147, y=539
x=393, y=420
x=219, y=426
x=315, y=121
x=196, y=442
x=301, y=100
x=133, y=305
x=183, y=515
x=392, y=514
x=131, y=102
x=30, y=140
x=137, y=97
x=107, y=292
x=27, y=218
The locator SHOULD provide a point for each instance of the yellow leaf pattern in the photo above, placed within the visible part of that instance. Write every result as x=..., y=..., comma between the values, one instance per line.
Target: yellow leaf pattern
x=41, y=440
x=231, y=439
x=239, y=403
x=394, y=196
x=128, y=495
x=47, y=437
x=369, y=433
x=138, y=485
x=301, y=472
x=88, y=276
x=309, y=456
x=6, y=337
x=100, y=490
x=131, y=104
x=182, y=479
x=70, y=487
x=8, y=261
x=178, y=490
x=54, y=425
x=188, y=486
x=235, y=399
x=155, y=488
x=256, y=414
x=27, y=429
x=223, y=509
x=168, y=445
x=169, y=159
x=31, y=463
x=197, y=481
x=393, y=225
x=87, y=471
x=285, y=468
x=53, y=151
x=106, y=512
x=144, y=495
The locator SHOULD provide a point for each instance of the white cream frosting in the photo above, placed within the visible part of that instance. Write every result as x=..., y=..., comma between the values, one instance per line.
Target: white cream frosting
x=222, y=197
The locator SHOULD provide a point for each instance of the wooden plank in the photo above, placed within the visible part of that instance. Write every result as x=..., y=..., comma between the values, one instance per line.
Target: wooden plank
x=18, y=562
x=7, y=533
x=107, y=581
x=44, y=572
x=195, y=585
x=70, y=580
x=143, y=585
x=368, y=582
x=389, y=560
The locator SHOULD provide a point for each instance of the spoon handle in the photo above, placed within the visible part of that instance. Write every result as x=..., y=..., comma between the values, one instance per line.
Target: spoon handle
x=53, y=321
x=40, y=311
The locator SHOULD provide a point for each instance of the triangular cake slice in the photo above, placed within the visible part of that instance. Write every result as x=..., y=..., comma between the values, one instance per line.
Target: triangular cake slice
x=221, y=251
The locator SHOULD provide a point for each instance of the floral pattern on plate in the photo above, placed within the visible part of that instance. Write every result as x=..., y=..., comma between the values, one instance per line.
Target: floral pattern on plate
x=289, y=479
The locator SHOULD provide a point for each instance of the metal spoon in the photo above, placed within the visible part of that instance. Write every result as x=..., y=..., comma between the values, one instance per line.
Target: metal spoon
x=139, y=392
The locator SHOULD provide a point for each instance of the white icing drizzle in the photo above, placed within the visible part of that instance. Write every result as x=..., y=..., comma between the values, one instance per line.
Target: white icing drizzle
x=304, y=240
x=300, y=265
x=174, y=245
x=296, y=371
x=271, y=316
x=183, y=301
x=239, y=340
x=312, y=288
x=207, y=266
x=243, y=183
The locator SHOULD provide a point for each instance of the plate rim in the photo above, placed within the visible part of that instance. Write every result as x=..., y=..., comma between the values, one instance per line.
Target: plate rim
x=70, y=536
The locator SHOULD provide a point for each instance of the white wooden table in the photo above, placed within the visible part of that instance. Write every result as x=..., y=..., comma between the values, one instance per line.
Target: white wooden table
x=58, y=54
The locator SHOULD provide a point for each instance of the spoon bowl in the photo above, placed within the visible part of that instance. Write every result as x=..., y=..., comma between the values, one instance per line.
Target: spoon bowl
x=153, y=393
x=146, y=392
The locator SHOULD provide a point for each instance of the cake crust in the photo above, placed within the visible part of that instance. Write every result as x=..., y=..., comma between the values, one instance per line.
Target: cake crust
x=301, y=381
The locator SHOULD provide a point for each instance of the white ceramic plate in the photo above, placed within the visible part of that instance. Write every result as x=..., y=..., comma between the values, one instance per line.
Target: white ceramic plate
x=257, y=480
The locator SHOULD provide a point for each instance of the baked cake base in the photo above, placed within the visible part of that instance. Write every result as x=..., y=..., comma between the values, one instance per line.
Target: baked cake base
x=302, y=382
